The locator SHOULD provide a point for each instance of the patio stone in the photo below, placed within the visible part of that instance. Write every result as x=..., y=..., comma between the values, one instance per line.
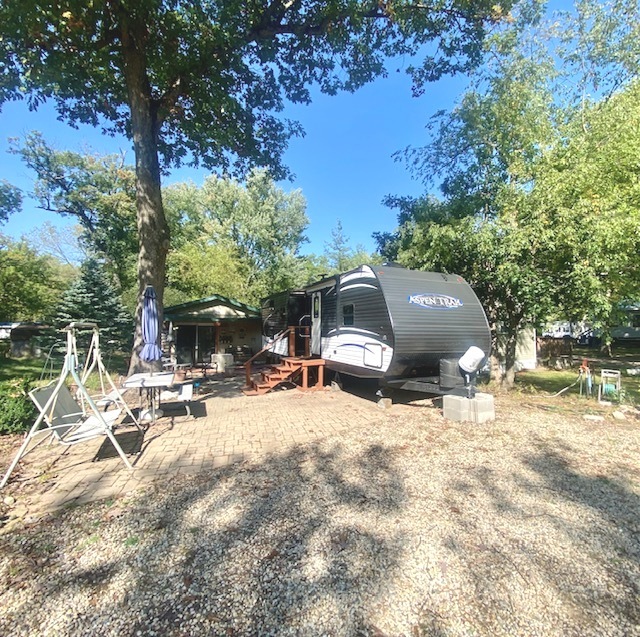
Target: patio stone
x=230, y=428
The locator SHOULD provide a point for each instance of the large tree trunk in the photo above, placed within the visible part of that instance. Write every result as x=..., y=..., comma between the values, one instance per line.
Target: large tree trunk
x=509, y=376
x=153, y=230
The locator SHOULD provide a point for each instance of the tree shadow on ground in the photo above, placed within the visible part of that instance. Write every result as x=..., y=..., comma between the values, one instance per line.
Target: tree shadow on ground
x=552, y=545
x=263, y=548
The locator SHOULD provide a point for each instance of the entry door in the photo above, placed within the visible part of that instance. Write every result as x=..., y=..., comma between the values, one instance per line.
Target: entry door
x=316, y=323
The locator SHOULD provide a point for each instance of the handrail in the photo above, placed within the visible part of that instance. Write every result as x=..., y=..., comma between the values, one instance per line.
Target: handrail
x=276, y=338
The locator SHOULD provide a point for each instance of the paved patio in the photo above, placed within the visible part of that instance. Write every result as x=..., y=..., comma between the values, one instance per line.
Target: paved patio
x=226, y=427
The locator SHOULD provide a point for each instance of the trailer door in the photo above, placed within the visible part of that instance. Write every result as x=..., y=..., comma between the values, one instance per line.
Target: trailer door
x=316, y=323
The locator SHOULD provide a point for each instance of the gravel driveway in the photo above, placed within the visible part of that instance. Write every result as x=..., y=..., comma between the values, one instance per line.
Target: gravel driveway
x=409, y=525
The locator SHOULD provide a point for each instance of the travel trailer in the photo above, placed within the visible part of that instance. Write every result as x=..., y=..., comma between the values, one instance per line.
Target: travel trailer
x=422, y=331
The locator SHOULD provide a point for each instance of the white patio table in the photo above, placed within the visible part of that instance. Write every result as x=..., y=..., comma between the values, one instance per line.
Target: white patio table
x=153, y=382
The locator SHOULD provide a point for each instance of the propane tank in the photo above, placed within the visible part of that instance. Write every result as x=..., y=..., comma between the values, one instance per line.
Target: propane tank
x=471, y=360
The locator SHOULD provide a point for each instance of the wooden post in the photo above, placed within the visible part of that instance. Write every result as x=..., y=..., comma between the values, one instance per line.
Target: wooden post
x=292, y=341
x=320, y=382
x=307, y=341
x=305, y=377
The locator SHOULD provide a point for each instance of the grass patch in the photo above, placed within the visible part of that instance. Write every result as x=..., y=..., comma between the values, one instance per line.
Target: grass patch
x=11, y=368
x=550, y=381
x=31, y=368
x=546, y=381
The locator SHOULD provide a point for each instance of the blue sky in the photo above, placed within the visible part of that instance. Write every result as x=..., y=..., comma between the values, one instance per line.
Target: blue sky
x=343, y=165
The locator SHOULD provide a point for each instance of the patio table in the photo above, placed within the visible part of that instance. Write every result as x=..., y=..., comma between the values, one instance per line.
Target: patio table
x=153, y=382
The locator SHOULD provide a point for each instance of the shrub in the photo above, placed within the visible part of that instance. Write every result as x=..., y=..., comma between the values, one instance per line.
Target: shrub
x=16, y=408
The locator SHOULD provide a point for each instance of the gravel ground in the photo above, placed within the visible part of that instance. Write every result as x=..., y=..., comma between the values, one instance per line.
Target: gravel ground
x=529, y=525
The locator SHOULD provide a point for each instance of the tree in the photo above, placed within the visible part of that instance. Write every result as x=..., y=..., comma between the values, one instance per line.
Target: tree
x=30, y=283
x=97, y=191
x=503, y=258
x=587, y=190
x=246, y=237
x=10, y=200
x=540, y=192
x=201, y=269
x=339, y=254
x=599, y=47
x=92, y=298
x=204, y=82
x=62, y=244
x=485, y=151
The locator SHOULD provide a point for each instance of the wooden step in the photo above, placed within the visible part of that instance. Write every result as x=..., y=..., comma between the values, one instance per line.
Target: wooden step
x=287, y=370
x=267, y=375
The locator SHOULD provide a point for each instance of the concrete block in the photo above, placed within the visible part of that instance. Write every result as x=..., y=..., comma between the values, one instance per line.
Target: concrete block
x=483, y=408
x=478, y=410
x=455, y=408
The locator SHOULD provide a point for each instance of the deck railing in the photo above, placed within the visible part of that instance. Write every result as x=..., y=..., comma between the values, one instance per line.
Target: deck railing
x=289, y=333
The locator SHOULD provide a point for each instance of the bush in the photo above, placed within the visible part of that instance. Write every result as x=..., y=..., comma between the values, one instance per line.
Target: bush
x=16, y=408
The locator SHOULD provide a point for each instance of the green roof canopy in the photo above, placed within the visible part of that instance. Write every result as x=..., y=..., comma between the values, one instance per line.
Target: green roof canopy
x=211, y=309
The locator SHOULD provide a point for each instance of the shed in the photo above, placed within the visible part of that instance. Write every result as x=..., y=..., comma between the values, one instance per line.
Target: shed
x=212, y=325
x=19, y=336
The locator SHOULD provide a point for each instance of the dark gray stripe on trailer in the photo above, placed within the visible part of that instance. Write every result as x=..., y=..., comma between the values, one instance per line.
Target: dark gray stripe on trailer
x=432, y=314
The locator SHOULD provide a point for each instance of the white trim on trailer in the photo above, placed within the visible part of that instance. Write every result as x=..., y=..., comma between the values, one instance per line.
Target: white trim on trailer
x=357, y=350
x=365, y=272
x=335, y=331
x=353, y=286
x=280, y=347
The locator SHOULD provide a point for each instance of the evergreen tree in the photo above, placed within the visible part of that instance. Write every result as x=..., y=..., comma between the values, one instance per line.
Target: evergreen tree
x=339, y=254
x=92, y=298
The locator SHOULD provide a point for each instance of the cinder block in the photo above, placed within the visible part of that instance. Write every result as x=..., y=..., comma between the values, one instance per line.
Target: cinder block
x=478, y=410
x=483, y=408
x=455, y=408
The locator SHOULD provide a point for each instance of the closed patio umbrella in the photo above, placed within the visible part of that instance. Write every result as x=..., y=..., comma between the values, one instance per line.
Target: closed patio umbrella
x=150, y=350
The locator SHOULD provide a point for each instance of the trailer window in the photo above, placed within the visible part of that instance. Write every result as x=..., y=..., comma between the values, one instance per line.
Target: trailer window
x=347, y=314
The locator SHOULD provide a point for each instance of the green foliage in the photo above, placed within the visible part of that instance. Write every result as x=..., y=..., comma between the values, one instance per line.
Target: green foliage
x=16, y=408
x=206, y=82
x=92, y=298
x=204, y=268
x=10, y=199
x=599, y=45
x=30, y=284
x=587, y=190
x=540, y=209
x=238, y=240
x=216, y=74
x=340, y=256
x=98, y=191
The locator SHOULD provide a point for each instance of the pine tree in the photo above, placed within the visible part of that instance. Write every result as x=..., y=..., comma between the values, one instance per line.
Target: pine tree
x=92, y=298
